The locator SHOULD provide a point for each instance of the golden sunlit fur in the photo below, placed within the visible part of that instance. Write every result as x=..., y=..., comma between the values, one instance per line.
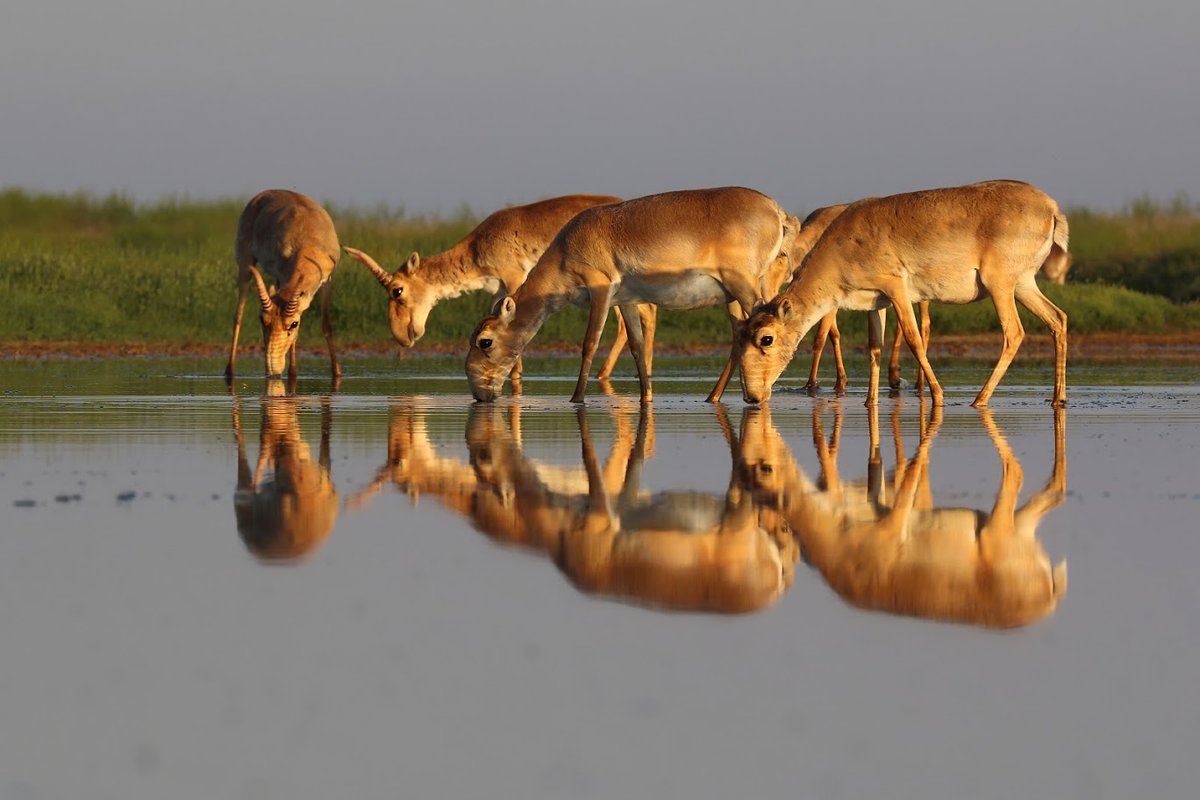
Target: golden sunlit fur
x=891, y=549
x=494, y=257
x=810, y=231
x=287, y=514
x=683, y=249
x=953, y=245
x=291, y=240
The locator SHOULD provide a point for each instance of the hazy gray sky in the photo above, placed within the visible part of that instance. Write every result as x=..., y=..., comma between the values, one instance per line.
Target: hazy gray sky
x=436, y=104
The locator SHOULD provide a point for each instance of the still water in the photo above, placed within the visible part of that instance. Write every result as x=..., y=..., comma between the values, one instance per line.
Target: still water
x=388, y=591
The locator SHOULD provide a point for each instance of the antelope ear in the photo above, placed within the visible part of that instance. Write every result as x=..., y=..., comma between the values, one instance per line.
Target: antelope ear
x=785, y=309
x=413, y=263
x=508, y=309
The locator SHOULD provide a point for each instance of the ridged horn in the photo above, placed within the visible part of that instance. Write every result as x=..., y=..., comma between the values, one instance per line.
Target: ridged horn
x=379, y=272
x=263, y=295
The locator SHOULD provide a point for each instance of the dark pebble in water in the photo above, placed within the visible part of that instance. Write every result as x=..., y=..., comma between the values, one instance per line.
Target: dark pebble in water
x=125, y=497
x=24, y=503
x=67, y=498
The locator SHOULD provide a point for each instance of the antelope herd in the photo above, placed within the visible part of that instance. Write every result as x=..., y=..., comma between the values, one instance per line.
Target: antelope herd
x=778, y=277
x=683, y=250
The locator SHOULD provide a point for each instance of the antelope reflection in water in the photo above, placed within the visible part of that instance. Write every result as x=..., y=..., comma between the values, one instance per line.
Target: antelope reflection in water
x=900, y=553
x=675, y=550
x=287, y=506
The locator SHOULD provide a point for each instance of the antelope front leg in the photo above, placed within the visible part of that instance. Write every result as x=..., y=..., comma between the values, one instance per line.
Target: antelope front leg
x=243, y=288
x=736, y=314
x=601, y=298
x=327, y=329
x=912, y=335
x=614, y=352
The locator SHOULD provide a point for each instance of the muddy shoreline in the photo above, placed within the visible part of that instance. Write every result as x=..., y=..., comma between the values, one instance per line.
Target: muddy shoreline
x=1101, y=347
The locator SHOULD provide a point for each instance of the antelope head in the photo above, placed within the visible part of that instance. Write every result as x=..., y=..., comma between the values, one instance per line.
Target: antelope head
x=762, y=459
x=410, y=296
x=280, y=323
x=765, y=346
x=494, y=351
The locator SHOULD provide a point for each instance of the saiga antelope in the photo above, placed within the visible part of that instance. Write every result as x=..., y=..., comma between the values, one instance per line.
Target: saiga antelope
x=494, y=257
x=953, y=245
x=684, y=249
x=810, y=231
x=291, y=239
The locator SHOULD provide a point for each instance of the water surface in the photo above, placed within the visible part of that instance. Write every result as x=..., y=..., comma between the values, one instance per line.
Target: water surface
x=393, y=592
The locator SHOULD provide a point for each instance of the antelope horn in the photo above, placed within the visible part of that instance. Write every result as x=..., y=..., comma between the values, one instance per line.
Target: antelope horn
x=263, y=295
x=379, y=272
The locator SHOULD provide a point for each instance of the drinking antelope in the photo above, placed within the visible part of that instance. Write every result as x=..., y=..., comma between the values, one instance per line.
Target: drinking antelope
x=810, y=231
x=292, y=239
x=494, y=257
x=953, y=245
x=685, y=249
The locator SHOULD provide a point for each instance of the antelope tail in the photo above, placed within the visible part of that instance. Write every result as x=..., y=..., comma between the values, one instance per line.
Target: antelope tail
x=1056, y=265
x=379, y=272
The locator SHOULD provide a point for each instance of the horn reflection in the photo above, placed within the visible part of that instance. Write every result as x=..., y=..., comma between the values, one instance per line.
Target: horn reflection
x=287, y=505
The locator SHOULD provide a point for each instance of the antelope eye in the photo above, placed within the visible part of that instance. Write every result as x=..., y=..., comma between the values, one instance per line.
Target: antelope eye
x=766, y=341
x=294, y=325
x=484, y=344
x=399, y=290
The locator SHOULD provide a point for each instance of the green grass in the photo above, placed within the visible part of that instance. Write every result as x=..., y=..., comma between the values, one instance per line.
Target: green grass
x=1150, y=247
x=106, y=269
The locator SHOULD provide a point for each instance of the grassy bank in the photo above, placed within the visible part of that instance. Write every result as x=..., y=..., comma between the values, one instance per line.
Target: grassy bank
x=81, y=268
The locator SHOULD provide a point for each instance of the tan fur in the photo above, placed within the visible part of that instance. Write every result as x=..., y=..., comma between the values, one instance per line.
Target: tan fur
x=673, y=550
x=886, y=552
x=951, y=245
x=827, y=330
x=288, y=514
x=290, y=240
x=682, y=249
x=495, y=257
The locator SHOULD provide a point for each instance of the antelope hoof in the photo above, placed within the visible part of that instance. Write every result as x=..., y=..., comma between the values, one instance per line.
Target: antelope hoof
x=812, y=388
x=839, y=388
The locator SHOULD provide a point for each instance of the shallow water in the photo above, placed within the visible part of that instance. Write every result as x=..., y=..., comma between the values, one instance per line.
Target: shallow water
x=391, y=589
